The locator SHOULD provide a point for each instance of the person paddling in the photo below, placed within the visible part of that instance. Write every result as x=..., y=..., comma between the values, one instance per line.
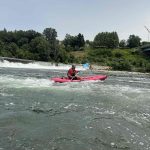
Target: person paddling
x=72, y=73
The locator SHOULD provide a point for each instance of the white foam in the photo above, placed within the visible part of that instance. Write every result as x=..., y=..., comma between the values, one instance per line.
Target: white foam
x=9, y=104
x=10, y=81
x=6, y=95
x=37, y=65
x=71, y=105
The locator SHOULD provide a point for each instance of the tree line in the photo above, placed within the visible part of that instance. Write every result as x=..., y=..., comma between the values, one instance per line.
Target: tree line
x=46, y=47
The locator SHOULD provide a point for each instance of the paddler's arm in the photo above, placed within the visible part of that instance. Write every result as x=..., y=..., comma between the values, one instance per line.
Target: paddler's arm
x=76, y=75
x=69, y=76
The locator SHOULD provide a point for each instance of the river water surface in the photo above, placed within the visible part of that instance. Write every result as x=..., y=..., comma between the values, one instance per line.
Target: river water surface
x=38, y=114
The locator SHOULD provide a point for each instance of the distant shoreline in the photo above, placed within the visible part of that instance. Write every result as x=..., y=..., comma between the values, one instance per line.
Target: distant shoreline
x=95, y=68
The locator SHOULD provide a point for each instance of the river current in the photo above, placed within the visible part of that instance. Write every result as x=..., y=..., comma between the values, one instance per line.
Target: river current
x=38, y=114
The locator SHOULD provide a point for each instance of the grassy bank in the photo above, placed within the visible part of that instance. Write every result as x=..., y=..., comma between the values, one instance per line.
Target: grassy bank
x=117, y=59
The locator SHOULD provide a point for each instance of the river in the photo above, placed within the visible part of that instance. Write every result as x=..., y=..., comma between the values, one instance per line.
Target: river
x=38, y=114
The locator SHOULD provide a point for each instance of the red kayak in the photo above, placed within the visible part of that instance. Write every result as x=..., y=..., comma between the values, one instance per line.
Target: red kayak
x=88, y=78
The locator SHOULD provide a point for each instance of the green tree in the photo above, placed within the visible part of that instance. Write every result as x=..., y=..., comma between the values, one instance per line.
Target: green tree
x=106, y=39
x=133, y=41
x=3, y=34
x=50, y=34
x=122, y=44
x=22, y=41
x=40, y=47
x=69, y=42
x=1, y=46
x=12, y=48
x=31, y=34
x=80, y=40
x=74, y=42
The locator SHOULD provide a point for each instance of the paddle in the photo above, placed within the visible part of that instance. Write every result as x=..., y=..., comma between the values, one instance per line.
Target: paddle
x=88, y=68
x=75, y=75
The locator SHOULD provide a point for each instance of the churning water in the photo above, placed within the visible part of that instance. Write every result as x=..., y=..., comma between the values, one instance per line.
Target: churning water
x=38, y=114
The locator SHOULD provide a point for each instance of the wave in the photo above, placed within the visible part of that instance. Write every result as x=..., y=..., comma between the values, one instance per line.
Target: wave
x=14, y=82
x=37, y=65
x=99, y=87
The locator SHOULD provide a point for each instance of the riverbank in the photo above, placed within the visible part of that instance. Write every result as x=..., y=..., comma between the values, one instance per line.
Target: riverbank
x=108, y=70
x=95, y=69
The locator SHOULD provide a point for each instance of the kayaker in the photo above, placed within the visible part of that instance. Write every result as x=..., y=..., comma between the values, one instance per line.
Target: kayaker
x=72, y=73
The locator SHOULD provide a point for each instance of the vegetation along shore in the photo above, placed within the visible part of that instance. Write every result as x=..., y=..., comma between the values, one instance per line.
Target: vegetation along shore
x=105, y=50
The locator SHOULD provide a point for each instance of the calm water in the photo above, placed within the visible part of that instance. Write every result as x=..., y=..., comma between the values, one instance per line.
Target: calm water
x=37, y=114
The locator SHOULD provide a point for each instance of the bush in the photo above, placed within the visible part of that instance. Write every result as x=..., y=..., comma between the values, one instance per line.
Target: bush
x=118, y=54
x=121, y=65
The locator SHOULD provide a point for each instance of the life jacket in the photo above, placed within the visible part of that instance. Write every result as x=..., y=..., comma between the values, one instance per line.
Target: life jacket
x=72, y=72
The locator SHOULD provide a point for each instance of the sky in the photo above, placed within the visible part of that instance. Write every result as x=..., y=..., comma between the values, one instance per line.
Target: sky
x=88, y=17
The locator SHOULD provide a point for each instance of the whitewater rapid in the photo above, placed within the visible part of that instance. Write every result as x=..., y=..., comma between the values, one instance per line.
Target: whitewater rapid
x=37, y=65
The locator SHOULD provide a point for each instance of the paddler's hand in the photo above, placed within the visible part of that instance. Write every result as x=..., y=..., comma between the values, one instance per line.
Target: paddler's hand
x=73, y=77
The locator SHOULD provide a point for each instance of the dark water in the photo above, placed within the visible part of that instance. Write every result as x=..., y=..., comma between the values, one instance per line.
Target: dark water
x=37, y=114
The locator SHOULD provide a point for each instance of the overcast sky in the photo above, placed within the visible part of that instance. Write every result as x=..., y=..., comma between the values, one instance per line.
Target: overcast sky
x=88, y=17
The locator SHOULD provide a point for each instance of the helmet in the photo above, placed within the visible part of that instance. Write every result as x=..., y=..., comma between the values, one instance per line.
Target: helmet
x=73, y=66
